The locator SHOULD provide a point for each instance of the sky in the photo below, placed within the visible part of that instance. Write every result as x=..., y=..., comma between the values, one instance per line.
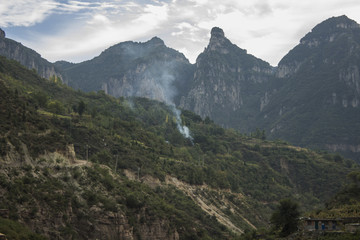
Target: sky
x=79, y=30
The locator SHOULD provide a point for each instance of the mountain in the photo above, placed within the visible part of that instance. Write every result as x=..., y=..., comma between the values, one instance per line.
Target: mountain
x=119, y=168
x=318, y=103
x=228, y=83
x=27, y=57
x=311, y=99
x=147, y=69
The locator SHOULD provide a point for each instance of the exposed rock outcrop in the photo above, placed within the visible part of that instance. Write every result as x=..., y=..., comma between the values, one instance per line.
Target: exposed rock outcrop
x=225, y=75
x=148, y=69
x=27, y=57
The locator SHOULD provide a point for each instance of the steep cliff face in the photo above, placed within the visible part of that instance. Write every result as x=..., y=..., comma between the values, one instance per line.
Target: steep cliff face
x=323, y=37
x=27, y=57
x=227, y=82
x=147, y=69
x=318, y=105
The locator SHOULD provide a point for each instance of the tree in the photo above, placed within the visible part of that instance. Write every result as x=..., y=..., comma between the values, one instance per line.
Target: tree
x=355, y=178
x=81, y=107
x=41, y=98
x=286, y=217
x=55, y=107
x=260, y=134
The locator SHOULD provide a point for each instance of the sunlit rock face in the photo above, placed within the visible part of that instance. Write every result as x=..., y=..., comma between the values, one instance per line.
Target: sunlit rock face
x=27, y=57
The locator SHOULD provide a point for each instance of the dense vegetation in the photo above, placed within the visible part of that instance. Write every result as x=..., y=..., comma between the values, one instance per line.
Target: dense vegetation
x=345, y=203
x=42, y=119
x=15, y=231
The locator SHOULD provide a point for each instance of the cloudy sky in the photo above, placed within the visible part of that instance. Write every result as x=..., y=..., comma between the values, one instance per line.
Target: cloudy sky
x=80, y=30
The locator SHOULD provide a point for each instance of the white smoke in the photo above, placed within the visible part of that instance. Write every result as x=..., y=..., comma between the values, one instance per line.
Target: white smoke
x=158, y=80
x=184, y=130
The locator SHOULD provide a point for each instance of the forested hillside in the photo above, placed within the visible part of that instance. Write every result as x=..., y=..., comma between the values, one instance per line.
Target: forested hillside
x=88, y=165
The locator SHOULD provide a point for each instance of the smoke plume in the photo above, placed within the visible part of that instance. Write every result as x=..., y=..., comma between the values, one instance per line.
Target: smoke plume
x=184, y=130
x=153, y=77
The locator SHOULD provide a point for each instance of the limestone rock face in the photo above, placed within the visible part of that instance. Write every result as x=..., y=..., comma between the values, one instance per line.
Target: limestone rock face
x=318, y=102
x=148, y=69
x=225, y=75
x=27, y=57
x=328, y=33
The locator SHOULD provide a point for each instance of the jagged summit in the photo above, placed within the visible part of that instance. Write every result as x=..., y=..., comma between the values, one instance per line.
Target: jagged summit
x=217, y=32
x=156, y=41
x=329, y=29
x=218, y=41
x=334, y=33
x=336, y=23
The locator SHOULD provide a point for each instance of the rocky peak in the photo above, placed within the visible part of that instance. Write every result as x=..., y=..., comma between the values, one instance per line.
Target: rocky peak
x=2, y=33
x=223, y=77
x=329, y=30
x=336, y=23
x=217, y=32
x=332, y=34
x=218, y=41
x=155, y=41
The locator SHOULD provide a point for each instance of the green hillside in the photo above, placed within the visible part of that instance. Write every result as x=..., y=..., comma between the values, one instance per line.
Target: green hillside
x=87, y=165
x=345, y=203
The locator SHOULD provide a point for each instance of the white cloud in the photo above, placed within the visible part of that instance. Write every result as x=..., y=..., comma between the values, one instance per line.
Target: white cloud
x=24, y=12
x=152, y=17
x=268, y=29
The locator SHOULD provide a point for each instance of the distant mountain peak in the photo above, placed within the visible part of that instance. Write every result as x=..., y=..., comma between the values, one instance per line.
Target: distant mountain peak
x=156, y=41
x=218, y=41
x=330, y=30
x=333, y=33
x=338, y=22
x=217, y=32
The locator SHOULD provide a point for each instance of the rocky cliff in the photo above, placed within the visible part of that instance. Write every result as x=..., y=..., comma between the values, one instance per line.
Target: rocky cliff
x=228, y=82
x=27, y=57
x=318, y=104
x=147, y=69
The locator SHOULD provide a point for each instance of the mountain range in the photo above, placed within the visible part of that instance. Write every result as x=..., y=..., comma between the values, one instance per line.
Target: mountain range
x=311, y=99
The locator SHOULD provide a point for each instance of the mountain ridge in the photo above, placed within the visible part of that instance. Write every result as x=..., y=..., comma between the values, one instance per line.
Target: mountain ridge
x=27, y=57
x=321, y=89
x=238, y=90
x=148, y=69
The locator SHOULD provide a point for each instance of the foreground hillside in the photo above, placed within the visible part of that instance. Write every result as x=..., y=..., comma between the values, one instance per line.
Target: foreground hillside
x=90, y=166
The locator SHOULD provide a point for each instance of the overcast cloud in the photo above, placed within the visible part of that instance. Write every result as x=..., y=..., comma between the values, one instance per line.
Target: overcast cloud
x=79, y=30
